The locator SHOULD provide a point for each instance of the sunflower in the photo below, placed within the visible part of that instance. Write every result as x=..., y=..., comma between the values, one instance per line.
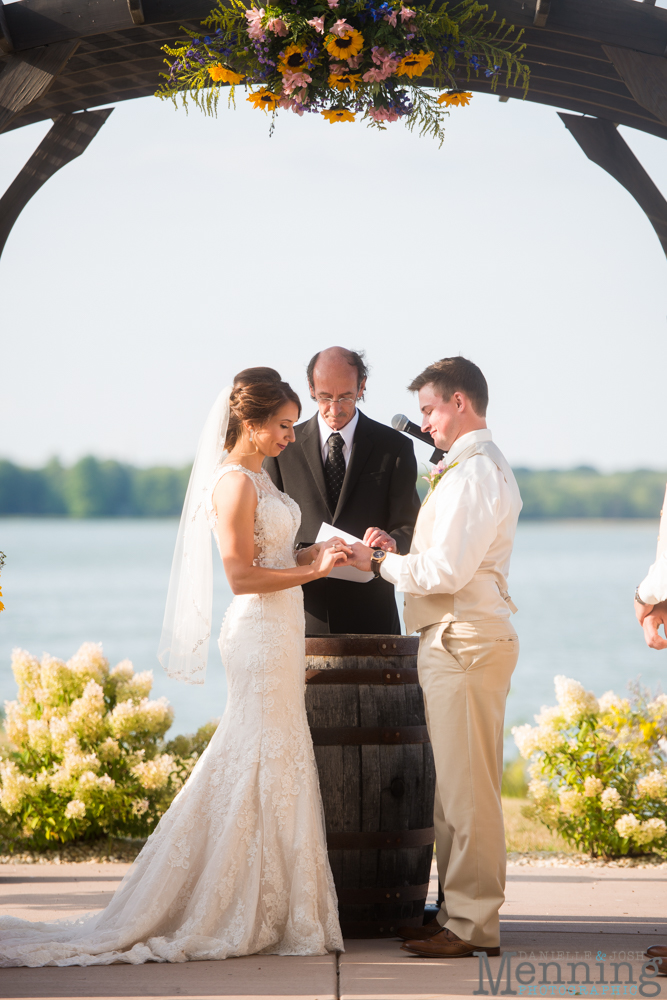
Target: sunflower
x=344, y=81
x=292, y=59
x=338, y=115
x=264, y=99
x=221, y=74
x=456, y=98
x=346, y=47
x=414, y=64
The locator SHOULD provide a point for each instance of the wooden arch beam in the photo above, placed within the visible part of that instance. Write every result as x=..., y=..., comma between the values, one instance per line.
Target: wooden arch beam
x=602, y=144
x=26, y=77
x=69, y=137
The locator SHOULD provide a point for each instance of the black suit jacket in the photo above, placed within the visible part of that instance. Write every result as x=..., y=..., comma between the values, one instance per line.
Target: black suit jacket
x=379, y=490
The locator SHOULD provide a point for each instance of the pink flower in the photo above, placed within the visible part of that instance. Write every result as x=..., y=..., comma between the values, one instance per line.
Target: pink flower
x=341, y=28
x=277, y=26
x=354, y=62
x=391, y=18
x=254, y=18
x=318, y=24
x=332, y=3
x=291, y=105
x=383, y=115
x=406, y=14
x=387, y=63
x=374, y=76
x=336, y=68
x=293, y=80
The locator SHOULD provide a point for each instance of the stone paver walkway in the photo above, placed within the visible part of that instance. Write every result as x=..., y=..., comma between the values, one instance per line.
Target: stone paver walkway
x=559, y=915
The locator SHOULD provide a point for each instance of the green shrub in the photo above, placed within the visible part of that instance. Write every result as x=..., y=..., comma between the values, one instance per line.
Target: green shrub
x=85, y=755
x=598, y=770
x=514, y=784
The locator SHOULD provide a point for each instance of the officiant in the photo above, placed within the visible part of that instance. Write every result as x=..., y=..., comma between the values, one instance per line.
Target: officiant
x=360, y=476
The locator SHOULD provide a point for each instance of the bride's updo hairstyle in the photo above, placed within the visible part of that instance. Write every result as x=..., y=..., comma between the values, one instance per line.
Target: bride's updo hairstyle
x=256, y=395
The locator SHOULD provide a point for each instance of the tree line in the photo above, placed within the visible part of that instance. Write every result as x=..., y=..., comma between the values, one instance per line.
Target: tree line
x=96, y=488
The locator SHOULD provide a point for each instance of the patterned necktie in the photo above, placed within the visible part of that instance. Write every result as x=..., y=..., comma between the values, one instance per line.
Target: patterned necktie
x=334, y=469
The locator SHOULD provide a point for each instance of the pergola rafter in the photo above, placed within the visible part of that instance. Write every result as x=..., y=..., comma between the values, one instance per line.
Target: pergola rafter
x=599, y=58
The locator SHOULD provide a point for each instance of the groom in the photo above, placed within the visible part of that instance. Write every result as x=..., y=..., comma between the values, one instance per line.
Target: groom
x=455, y=587
x=358, y=475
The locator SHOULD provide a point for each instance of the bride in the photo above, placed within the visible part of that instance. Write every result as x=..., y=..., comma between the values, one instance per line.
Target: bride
x=238, y=864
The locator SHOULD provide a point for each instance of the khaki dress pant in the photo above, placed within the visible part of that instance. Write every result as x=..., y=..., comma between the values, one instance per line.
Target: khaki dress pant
x=465, y=669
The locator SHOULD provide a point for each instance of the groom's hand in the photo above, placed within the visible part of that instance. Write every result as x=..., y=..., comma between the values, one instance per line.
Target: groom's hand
x=375, y=538
x=361, y=557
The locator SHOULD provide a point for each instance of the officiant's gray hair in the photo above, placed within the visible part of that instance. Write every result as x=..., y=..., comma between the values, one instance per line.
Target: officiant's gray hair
x=450, y=375
x=356, y=359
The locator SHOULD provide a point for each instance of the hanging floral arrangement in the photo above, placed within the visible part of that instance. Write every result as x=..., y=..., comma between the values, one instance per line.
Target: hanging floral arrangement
x=382, y=61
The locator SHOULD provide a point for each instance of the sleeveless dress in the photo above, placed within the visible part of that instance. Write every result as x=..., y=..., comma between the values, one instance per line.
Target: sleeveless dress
x=238, y=864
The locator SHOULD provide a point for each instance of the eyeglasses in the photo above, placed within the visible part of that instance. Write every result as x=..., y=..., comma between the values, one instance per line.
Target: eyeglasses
x=347, y=398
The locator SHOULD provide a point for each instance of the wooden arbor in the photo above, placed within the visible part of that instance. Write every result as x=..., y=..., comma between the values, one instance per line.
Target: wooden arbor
x=603, y=60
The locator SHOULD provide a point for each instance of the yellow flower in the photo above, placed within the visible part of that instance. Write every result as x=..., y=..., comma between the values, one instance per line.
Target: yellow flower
x=338, y=115
x=2, y=607
x=264, y=99
x=414, y=64
x=292, y=59
x=221, y=74
x=346, y=47
x=455, y=97
x=344, y=81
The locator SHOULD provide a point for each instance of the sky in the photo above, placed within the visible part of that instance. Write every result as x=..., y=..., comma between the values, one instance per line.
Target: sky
x=180, y=249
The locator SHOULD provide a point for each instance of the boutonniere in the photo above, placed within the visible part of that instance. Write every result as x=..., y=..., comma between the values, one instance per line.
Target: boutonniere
x=435, y=475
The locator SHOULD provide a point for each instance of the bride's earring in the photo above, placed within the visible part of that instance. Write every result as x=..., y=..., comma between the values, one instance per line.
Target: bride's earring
x=250, y=437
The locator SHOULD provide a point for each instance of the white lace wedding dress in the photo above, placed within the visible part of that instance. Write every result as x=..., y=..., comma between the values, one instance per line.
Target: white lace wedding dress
x=238, y=865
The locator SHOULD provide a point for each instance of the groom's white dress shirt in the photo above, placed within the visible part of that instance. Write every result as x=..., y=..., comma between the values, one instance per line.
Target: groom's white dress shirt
x=472, y=528
x=347, y=434
x=653, y=589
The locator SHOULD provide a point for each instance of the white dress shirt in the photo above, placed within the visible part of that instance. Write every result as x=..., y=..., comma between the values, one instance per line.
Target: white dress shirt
x=347, y=434
x=653, y=589
x=477, y=508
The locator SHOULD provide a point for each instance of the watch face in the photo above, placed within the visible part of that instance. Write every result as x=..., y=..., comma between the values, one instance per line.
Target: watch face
x=378, y=553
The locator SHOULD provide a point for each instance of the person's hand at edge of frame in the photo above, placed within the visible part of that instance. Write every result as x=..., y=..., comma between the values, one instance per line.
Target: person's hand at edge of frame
x=654, y=617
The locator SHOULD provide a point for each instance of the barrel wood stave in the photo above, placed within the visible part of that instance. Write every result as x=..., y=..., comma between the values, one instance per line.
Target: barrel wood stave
x=382, y=780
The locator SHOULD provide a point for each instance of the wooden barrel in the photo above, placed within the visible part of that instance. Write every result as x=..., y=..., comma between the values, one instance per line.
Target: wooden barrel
x=366, y=715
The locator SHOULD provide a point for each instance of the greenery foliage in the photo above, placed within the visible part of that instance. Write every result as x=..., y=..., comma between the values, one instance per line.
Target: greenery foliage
x=92, y=488
x=95, y=488
x=341, y=58
x=85, y=755
x=585, y=492
x=599, y=769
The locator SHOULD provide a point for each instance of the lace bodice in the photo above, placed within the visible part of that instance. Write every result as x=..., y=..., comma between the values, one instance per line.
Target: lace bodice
x=277, y=518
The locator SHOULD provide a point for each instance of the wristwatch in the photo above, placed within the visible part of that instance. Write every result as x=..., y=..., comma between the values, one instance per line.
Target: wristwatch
x=378, y=557
x=637, y=597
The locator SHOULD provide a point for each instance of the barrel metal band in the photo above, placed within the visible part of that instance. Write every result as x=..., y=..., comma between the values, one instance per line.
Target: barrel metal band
x=396, y=895
x=362, y=645
x=359, y=736
x=390, y=840
x=389, y=675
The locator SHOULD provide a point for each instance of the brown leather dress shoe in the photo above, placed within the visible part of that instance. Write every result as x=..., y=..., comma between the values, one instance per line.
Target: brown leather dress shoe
x=422, y=933
x=656, y=951
x=445, y=944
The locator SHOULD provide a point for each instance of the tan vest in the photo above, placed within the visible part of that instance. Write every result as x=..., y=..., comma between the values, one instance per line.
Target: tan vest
x=488, y=589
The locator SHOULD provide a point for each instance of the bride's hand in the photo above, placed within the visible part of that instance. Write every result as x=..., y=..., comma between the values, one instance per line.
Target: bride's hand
x=334, y=553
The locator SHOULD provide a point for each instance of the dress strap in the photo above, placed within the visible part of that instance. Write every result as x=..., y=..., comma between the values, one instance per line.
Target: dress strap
x=256, y=477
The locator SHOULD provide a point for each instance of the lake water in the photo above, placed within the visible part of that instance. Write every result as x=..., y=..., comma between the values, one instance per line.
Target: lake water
x=68, y=582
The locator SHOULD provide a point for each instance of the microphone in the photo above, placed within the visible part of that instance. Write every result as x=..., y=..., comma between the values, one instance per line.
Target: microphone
x=401, y=423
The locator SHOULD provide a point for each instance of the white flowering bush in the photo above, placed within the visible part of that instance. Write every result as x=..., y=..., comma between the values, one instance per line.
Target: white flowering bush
x=85, y=755
x=599, y=769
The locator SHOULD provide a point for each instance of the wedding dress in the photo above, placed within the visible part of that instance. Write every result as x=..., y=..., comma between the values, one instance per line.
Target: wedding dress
x=238, y=864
